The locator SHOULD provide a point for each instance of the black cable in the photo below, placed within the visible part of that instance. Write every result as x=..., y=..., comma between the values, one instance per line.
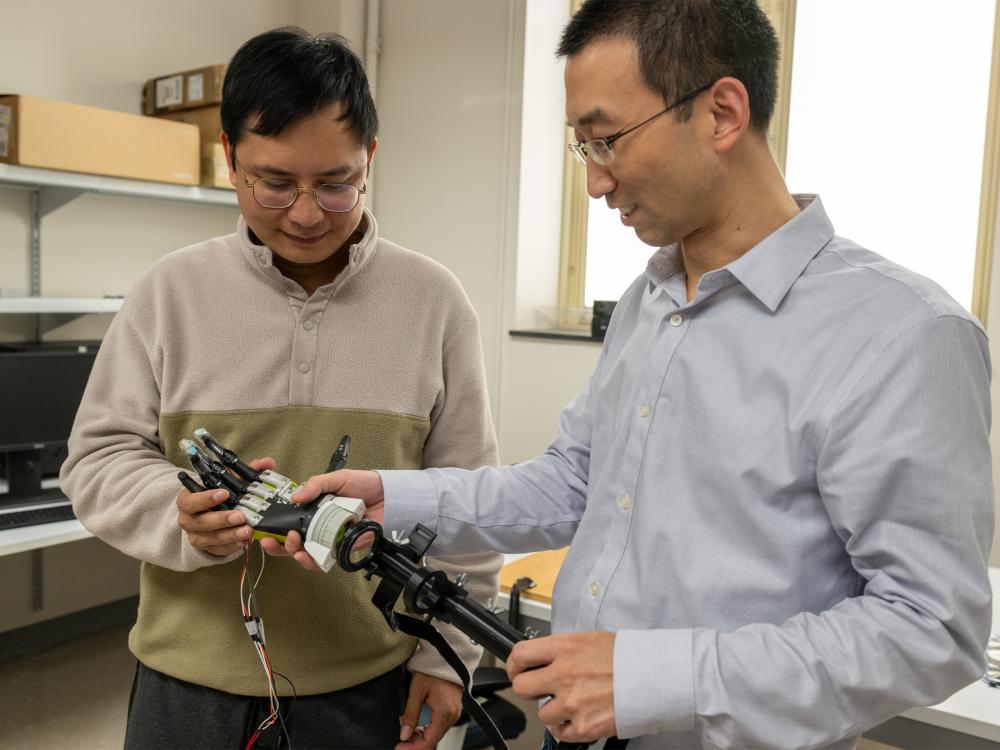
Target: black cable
x=291, y=706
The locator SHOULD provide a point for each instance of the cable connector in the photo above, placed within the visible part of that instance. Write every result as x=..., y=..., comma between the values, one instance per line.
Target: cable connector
x=255, y=627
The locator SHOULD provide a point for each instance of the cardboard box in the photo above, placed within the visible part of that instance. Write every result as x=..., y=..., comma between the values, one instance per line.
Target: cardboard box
x=207, y=119
x=214, y=170
x=58, y=135
x=185, y=90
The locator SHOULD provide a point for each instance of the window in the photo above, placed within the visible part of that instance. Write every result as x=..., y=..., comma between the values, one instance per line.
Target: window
x=933, y=165
x=890, y=128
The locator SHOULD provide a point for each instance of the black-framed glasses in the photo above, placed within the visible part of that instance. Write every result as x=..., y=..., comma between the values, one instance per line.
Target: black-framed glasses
x=334, y=197
x=600, y=150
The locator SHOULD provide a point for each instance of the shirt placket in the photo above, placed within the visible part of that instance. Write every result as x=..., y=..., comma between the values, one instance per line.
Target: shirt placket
x=670, y=323
x=305, y=345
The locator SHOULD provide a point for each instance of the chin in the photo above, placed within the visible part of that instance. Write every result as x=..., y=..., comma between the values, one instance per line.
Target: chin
x=649, y=237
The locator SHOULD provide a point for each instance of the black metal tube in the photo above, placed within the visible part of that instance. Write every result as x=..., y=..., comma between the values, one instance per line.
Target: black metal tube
x=481, y=625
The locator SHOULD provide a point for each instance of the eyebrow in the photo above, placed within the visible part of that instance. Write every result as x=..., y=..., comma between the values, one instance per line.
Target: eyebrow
x=341, y=171
x=595, y=115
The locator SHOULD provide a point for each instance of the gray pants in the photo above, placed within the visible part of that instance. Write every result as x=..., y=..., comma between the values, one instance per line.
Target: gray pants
x=169, y=714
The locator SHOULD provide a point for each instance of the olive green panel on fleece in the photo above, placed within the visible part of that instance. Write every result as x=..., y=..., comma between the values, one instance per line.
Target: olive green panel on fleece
x=322, y=630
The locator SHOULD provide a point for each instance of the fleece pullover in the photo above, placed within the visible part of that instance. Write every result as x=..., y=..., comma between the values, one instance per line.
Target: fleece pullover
x=214, y=336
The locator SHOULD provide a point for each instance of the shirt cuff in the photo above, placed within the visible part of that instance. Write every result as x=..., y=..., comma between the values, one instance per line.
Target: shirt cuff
x=653, y=682
x=410, y=498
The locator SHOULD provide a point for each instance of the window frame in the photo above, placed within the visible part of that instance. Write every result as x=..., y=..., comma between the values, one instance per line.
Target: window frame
x=575, y=205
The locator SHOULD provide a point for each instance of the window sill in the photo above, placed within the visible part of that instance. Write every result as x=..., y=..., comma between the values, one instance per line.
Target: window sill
x=555, y=335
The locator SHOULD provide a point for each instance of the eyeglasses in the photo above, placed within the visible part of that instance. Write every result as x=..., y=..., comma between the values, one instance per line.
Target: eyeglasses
x=335, y=197
x=599, y=149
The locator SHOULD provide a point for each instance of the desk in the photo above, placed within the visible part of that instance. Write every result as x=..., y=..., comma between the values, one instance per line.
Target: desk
x=972, y=711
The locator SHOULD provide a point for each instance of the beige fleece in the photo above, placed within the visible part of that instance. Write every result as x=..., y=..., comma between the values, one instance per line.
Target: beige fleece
x=214, y=336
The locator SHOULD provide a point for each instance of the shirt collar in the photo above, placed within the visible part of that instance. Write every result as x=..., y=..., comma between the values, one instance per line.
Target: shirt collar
x=770, y=268
x=359, y=253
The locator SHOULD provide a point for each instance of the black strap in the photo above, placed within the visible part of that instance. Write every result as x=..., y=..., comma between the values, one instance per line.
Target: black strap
x=425, y=631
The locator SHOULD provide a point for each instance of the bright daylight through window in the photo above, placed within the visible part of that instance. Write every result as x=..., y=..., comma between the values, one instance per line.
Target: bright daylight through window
x=887, y=123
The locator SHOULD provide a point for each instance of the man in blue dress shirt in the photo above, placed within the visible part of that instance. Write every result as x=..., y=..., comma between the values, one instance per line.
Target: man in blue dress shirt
x=776, y=486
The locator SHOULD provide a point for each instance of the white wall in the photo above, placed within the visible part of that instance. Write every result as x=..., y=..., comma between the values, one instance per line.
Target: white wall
x=446, y=168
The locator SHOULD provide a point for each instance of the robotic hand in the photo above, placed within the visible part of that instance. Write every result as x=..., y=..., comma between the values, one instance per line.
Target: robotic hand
x=264, y=498
x=334, y=531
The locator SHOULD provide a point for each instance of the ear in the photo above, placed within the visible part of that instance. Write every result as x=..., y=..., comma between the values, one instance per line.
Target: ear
x=230, y=159
x=371, y=151
x=730, y=105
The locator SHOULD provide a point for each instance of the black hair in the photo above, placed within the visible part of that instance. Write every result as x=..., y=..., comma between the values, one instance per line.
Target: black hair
x=683, y=45
x=282, y=76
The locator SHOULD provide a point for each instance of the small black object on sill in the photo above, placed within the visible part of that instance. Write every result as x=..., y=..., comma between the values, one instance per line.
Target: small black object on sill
x=602, y=316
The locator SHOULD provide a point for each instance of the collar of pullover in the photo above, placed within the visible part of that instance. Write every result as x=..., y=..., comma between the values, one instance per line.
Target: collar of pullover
x=261, y=257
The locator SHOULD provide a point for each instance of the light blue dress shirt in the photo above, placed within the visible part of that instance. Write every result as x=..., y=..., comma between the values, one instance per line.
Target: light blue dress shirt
x=779, y=495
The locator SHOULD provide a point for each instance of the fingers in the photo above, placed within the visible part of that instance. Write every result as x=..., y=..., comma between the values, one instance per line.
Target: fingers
x=411, y=714
x=365, y=485
x=443, y=698
x=321, y=484
x=219, y=532
x=441, y=721
x=532, y=685
x=262, y=464
x=530, y=654
x=291, y=548
x=199, y=502
x=273, y=547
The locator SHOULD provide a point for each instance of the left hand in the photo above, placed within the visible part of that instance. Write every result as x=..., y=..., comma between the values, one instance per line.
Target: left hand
x=576, y=669
x=445, y=701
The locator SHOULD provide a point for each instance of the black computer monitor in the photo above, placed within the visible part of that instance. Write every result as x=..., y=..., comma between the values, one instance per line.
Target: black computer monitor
x=40, y=391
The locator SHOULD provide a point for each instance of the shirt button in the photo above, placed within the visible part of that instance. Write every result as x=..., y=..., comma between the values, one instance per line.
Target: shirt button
x=676, y=319
x=308, y=325
x=595, y=589
x=303, y=367
x=644, y=411
x=624, y=502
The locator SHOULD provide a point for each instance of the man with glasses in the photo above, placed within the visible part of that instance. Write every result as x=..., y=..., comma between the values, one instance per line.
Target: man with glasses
x=303, y=326
x=776, y=486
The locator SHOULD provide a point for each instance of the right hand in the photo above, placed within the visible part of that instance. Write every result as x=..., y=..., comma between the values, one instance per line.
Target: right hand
x=217, y=532
x=363, y=485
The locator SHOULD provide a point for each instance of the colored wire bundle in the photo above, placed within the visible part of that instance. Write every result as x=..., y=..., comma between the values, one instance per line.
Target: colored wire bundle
x=255, y=627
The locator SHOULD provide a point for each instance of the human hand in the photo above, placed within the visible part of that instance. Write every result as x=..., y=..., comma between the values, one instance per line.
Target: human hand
x=218, y=532
x=364, y=485
x=445, y=702
x=576, y=670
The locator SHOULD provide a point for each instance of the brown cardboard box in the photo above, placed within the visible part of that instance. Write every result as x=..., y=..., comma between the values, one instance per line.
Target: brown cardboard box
x=186, y=90
x=206, y=118
x=213, y=158
x=214, y=170
x=59, y=135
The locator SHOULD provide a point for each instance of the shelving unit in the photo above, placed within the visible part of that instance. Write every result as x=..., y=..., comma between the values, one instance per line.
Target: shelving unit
x=52, y=189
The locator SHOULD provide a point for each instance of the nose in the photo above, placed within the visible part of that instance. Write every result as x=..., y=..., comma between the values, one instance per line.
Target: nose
x=599, y=180
x=305, y=211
